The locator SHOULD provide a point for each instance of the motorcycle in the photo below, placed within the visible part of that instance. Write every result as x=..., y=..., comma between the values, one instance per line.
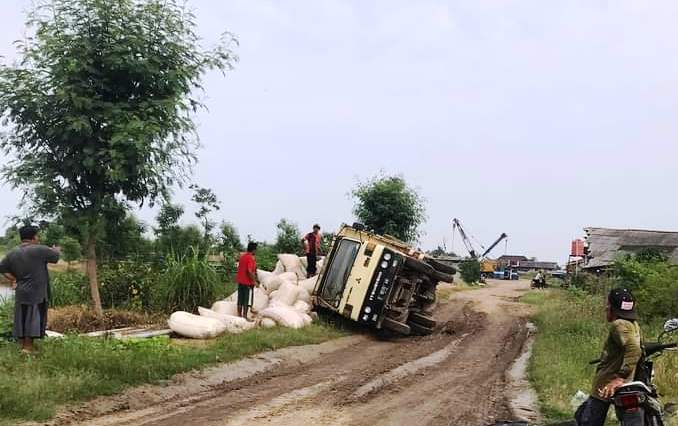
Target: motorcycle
x=640, y=395
x=538, y=283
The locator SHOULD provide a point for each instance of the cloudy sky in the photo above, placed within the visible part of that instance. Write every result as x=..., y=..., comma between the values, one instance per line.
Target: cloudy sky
x=527, y=117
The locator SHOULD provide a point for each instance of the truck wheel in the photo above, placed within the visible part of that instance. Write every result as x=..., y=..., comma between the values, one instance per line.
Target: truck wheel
x=396, y=326
x=419, y=266
x=441, y=276
x=422, y=319
x=440, y=266
x=419, y=330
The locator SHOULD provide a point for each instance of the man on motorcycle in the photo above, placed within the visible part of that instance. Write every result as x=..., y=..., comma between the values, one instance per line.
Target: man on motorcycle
x=617, y=362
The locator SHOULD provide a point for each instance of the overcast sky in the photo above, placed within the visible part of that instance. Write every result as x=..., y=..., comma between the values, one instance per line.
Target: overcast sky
x=527, y=117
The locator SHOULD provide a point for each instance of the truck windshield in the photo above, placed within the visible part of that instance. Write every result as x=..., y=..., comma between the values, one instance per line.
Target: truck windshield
x=338, y=272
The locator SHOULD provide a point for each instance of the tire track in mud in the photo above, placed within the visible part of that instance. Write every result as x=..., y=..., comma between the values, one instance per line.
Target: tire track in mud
x=457, y=376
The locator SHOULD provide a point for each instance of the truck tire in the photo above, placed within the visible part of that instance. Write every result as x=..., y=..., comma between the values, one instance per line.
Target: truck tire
x=419, y=330
x=419, y=266
x=422, y=319
x=440, y=266
x=396, y=326
x=441, y=276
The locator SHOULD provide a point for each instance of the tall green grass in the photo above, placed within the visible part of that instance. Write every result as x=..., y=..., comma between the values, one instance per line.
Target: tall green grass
x=78, y=368
x=571, y=332
x=188, y=282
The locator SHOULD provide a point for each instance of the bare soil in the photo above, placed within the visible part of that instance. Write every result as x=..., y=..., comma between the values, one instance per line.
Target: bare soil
x=457, y=376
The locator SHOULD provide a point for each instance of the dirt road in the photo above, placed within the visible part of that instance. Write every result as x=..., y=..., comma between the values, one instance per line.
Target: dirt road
x=458, y=376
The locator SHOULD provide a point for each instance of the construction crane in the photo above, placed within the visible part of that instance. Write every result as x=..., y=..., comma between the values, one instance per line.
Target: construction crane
x=487, y=266
x=467, y=242
x=494, y=244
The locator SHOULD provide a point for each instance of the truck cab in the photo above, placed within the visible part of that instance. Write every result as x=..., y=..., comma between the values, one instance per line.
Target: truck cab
x=380, y=282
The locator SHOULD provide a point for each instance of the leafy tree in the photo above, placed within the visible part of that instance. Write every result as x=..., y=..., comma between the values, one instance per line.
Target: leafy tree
x=387, y=205
x=99, y=108
x=289, y=237
x=470, y=271
x=168, y=218
x=207, y=200
x=52, y=234
x=71, y=250
x=230, y=244
x=123, y=238
x=326, y=242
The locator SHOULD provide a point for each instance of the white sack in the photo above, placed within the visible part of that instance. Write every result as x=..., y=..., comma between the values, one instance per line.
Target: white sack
x=307, y=319
x=268, y=323
x=302, y=306
x=308, y=284
x=262, y=275
x=260, y=300
x=194, y=326
x=285, y=316
x=225, y=307
x=233, y=324
x=273, y=282
x=304, y=261
x=287, y=294
x=279, y=268
x=304, y=296
x=292, y=263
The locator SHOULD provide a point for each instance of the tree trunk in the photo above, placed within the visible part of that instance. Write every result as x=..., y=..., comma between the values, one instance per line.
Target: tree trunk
x=92, y=274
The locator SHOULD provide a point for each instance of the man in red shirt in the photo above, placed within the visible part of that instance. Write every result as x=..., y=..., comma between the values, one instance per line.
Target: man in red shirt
x=246, y=278
x=312, y=250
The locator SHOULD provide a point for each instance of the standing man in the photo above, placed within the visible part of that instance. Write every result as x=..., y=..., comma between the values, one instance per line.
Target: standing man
x=247, y=279
x=312, y=250
x=617, y=364
x=27, y=263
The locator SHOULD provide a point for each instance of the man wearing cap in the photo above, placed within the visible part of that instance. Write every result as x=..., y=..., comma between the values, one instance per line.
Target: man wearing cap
x=312, y=250
x=618, y=361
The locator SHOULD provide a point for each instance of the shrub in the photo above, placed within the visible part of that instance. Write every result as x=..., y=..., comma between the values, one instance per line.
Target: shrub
x=6, y=317
x=188, y=282
x=470, y=271
x=71, y=249
x=68, y=288
x=289, y=237
x=266, y=257
x=127, y=284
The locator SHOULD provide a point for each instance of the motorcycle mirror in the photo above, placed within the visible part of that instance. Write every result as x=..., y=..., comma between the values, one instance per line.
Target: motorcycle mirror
x=671, y=325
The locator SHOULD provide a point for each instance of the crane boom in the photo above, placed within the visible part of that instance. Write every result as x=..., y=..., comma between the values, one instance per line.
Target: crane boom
x=494, y=244
x=467, y=242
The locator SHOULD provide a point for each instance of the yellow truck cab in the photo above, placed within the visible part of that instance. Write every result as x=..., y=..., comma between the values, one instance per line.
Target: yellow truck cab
x=379, y=281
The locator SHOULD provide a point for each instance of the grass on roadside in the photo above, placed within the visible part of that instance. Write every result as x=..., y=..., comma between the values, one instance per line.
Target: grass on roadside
x=78, y=368
x=571, y=332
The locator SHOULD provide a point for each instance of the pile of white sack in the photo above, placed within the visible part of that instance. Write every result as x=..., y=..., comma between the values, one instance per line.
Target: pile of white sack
x=282, y=299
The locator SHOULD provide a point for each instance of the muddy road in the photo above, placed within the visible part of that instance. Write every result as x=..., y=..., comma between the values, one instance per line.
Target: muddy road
x=457, y=376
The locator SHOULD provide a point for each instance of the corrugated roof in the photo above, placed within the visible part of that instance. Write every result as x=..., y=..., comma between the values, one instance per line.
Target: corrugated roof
x=605, y=245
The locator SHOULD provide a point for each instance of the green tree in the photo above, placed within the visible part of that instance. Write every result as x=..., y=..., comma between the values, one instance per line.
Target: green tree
x=52, y=234
x=289, y=237
x=99, y=108
x=470, y=271
x=71, y=250
x=387, y=205
x=326, y=242
x=207, y=200
x=229, y=244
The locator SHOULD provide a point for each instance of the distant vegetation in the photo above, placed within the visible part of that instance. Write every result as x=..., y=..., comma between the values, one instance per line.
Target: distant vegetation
x=387, y=205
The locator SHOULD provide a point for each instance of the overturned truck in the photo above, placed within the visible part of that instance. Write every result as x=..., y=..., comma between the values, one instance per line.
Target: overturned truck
x=380, y=282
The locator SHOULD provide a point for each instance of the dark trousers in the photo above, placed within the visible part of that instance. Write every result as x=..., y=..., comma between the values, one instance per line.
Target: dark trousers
x=311, y=269
x=593, y=412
